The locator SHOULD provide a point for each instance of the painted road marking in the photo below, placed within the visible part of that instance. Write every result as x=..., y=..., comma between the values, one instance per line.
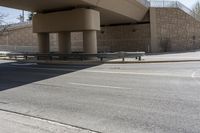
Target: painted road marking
x=49, y=69
x=112, y=72
x=137, y=73
x=24, y=64
x=100, y=86
x=194, y=74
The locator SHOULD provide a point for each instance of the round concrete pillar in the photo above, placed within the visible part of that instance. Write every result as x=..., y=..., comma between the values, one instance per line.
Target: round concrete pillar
x=90, y=42
x=43, y=40
x=64, y=42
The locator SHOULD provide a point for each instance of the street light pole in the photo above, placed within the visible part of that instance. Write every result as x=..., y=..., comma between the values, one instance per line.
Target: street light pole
x=22, y=15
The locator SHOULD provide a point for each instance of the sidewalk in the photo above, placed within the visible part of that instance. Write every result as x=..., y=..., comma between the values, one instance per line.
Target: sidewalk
x=168, y=57
x=18, y=123
x=154, y=58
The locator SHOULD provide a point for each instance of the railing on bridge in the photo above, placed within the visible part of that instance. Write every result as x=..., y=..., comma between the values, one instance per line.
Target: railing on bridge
x=174, y=4
x=4, y=28
x=21, y=24
x=169, y=4
x=146, y=3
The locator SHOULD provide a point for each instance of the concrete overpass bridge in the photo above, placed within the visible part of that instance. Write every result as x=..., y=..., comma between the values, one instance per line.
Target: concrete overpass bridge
x=65, y=16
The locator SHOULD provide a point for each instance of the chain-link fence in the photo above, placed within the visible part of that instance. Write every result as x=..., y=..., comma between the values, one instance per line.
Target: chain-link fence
x=174, y=4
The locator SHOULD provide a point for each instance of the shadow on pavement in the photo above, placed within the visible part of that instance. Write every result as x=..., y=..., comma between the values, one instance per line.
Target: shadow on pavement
x=17, y=74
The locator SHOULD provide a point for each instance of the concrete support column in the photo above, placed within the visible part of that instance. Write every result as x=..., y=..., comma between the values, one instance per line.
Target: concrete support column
x=90, y=42
x=64, y=42
x=43, y=40
x=155, y=45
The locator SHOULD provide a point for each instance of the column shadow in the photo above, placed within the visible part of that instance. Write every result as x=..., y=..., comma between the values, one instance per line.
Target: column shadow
x=14, y=74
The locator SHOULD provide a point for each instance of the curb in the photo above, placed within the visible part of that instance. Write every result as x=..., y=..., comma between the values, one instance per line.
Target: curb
x=115, y=62
x=167, y=61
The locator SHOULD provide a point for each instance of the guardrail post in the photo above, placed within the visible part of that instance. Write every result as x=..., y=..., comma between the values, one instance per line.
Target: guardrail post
x=50, y=57
x=140, y=58
x=123, y=59
x=163, y=3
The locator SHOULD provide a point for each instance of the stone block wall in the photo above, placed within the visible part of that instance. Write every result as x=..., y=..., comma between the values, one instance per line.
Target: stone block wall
x=170, y=29
x=110, y=39
x=175, y=30
x=124, y=38
x=19, y=39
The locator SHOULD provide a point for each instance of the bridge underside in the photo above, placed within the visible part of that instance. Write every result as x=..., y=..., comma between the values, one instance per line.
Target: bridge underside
x=65, y=16
x=112, y=11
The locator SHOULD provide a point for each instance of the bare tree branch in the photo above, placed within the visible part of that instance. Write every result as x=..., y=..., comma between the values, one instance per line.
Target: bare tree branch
x=2, y=17
x=3, y=25
x=196, y=8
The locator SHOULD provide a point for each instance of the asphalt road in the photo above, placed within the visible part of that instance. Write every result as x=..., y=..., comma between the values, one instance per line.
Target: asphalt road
x=109, y=98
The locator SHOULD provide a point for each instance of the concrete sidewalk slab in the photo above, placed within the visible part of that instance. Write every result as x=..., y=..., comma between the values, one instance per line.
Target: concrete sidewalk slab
x=165, y=57
x=18, y=123
x=151, y=58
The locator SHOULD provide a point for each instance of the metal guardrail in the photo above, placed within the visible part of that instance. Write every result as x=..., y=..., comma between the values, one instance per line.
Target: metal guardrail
x=16, y=24
x=122, y=55
x=20, y=24
x=146, y=3
x=81, y=56
x=4, y=53
x=174, y=4
x=6, y=26
x=169, y=4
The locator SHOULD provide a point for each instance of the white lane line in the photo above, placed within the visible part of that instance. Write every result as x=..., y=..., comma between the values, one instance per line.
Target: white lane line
x=193, y=74
x=100, y=86
x=195, y=77
x=111, y=72
x=136, y=73
x=24, y=64
x=50, y=69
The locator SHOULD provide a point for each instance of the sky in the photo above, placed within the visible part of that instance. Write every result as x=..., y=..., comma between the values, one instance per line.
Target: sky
x=13, y=14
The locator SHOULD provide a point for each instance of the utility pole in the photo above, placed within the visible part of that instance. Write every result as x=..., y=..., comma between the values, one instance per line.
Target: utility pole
x=22, y=15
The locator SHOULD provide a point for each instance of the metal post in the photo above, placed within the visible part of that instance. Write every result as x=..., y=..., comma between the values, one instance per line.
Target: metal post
x=22, y=15
x=163, y=3
x=140, y=58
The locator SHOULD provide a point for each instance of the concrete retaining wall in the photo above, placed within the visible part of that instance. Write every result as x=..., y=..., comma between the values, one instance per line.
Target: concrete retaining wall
x=110, y=39
x=125, y=38
x=174, y=30
x=170, y=29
